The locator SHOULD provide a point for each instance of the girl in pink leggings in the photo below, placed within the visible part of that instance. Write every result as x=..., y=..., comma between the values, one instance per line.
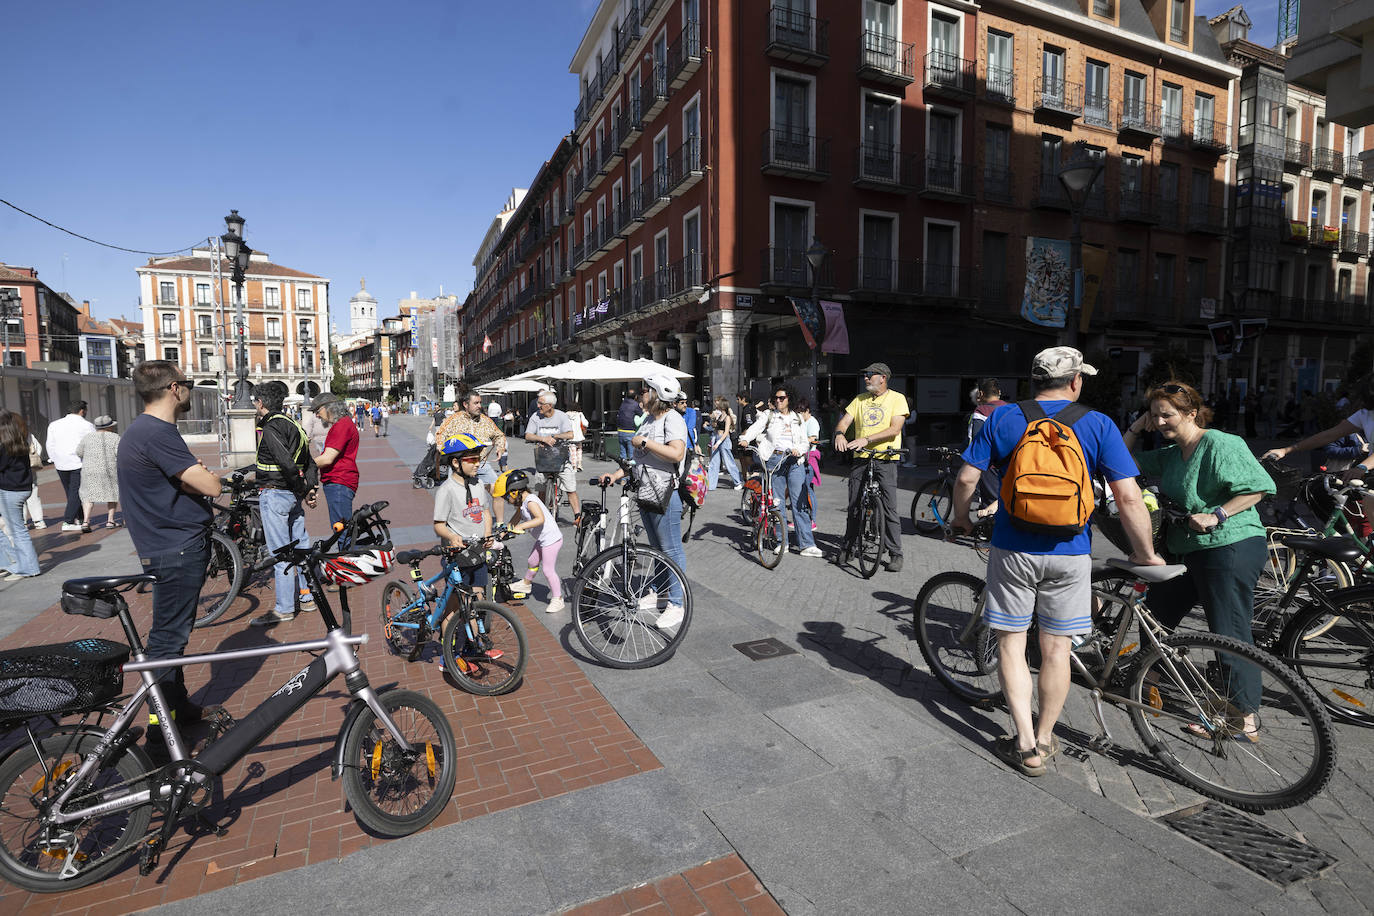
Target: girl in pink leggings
x=535, y=518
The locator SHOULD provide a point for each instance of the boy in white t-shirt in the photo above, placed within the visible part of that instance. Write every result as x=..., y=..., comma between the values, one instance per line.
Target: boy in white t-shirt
x=534, y=517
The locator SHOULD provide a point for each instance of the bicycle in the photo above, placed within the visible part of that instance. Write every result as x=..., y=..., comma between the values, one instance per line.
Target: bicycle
x=1173, y=686
x=550, y=487
x=483, y=643
x=767, y=527
x=619, y=595
x=77, y=799
x=868, y=547
x=595, y=532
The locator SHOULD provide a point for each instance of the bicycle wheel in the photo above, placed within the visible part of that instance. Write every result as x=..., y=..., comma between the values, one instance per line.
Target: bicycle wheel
x=933, y=506
x=401, y=623
x=493, y=660
x=748, y=504
x=870, y=546
x=1275, y=578
x=548, y=495
x=1198, y=734
x=770, y=538
x=223, y=580
x=395, y=792
x=960, y=650
x=619, y=600
x=34, y=855
x=1334, y=654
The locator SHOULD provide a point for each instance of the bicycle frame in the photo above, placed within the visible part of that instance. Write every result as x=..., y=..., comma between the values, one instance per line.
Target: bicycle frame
x=441, y=601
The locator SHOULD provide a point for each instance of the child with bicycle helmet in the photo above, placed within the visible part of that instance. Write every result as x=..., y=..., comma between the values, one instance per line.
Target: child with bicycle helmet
x=535, y=517
x=462, y=507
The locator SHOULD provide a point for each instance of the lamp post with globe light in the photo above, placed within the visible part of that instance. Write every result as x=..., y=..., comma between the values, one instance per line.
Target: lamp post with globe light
x=238, y=253
x=1077, y=174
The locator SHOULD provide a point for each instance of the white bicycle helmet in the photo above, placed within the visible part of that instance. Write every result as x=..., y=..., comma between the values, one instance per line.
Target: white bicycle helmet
x=358, y=567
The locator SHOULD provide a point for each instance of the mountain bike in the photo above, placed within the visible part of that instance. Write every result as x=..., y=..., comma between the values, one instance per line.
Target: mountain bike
x=767, y=527
x=1175, y=687
x=620, y=595
x=868, y=545
x=76, y=799
x=932, y=506
x=483, y=643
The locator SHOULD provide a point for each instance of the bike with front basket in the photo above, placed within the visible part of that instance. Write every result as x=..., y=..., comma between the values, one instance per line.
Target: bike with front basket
x=76, y=799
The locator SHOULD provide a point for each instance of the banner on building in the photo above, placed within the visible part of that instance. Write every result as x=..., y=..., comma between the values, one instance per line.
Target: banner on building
x=1224, y=338
x=486, y=343
x=836, y=332
x=1094, y=269
x=812, y=324
x=1048, y=284
x=1207, y=308
x=1297, y=229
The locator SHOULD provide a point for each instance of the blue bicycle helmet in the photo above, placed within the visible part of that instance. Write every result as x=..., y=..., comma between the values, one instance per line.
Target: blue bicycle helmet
x=460, y=444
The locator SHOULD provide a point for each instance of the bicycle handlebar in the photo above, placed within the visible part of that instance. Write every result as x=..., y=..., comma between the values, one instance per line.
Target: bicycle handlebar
x=295, y=556
x=604, y=481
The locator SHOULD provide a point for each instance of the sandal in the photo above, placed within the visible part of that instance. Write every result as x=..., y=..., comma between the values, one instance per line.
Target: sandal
x=1234, y=732
x=1007, y=751
x=1048, y=750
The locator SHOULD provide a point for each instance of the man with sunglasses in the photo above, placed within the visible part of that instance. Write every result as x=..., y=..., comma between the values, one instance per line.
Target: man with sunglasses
x=878, y=415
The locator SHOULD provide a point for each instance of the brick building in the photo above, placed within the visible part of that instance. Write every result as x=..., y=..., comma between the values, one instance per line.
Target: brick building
x=46, y=330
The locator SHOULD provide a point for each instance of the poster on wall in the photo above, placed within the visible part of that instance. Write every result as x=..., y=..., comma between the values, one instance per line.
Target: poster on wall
x=836, y=332
x=1048, y=284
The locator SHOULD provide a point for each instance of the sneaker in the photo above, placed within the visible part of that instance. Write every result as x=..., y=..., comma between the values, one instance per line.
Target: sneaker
x=271, y=619
x=649, y=602
x=813, y=526
x=671, y=617
x=69, y=526
x=40, y=524
x=812, y=551
x=20, y=575
x=521, y=589
x=894, y=562
x=556, y=606
x=739, y=486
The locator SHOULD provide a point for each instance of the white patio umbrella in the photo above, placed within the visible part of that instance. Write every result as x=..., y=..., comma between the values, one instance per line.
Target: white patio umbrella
x=544, y=372
x=519, y=384
x=647, y=366
x=597, y=369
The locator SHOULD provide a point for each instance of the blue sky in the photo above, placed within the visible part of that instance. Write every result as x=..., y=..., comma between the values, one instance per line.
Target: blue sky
x=358, y=139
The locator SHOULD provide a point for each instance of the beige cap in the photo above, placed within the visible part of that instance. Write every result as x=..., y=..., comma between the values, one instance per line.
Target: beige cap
x=1060, y=362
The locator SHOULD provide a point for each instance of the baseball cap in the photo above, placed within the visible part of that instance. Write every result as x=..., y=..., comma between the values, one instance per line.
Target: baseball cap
x=1060, y=362
x=666, y=388
x=880, y=369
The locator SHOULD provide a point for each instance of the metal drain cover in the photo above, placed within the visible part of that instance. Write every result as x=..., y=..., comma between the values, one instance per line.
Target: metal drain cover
x=1258, y=847
x=759, y=649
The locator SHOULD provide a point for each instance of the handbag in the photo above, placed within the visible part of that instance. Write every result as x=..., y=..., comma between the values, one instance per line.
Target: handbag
x=694, y=482
x=654, y=489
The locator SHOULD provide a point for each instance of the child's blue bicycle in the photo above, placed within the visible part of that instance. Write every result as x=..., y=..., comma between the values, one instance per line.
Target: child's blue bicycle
x=483, y=643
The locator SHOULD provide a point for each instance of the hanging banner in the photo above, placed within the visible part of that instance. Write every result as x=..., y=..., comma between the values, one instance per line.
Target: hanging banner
x=836, y=332
x=1094, y=269
x=1048, y=284
x=1224, y=338
x=812, y=324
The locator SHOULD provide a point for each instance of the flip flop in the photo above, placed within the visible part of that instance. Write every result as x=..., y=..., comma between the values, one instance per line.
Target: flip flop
x=1005, y=749
x=1241, y=734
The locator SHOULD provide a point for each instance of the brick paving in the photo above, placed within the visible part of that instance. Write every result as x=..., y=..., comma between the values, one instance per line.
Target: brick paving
x=724, y=886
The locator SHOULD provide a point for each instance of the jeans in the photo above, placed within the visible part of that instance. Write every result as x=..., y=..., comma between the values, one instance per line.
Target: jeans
x=793, y=476
x=339, y=499
x=1223, y=580
x=283, y=522
x=665, y=532
x=34, y=505
x=722, y=453
x=175, y=597
x=886, y=472
x=626, y=451
x=71, y=482
x=16, y=548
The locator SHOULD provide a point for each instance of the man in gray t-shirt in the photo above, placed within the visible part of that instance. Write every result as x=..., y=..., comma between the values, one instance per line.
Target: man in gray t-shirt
x=548, y=427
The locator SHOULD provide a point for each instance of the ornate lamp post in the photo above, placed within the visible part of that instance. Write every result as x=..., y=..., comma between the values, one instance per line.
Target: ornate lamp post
x=1077, y=174
x=238, y=253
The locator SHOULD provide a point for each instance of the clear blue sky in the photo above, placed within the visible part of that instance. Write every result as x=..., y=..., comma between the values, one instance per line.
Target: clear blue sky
x=356, y=138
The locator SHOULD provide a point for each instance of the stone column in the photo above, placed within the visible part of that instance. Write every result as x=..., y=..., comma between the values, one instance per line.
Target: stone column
x=660, y=351
x=631, y=347
x=687, y=361
x=727, y=329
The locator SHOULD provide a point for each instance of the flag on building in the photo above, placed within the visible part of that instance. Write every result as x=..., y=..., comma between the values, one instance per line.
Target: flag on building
x=812, y=325
x=486, y=343
x=836, y=333
x=604, y=305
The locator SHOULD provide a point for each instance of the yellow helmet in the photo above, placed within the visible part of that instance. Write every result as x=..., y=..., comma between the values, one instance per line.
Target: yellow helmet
x=512, y=481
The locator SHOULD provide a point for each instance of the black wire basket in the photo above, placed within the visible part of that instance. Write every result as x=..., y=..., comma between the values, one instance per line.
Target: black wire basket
x=1287, y=480
x=62, y=678
x=1110, y=527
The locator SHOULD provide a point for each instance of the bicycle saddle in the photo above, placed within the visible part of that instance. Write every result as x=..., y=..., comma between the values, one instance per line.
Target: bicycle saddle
x=96, y=585
x=1342, y=550
x=1148, y=573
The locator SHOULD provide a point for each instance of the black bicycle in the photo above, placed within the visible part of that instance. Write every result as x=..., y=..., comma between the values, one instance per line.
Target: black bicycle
x=868, y=544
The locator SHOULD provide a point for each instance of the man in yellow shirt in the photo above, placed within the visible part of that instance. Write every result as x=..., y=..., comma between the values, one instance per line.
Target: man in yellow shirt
x=879, y=414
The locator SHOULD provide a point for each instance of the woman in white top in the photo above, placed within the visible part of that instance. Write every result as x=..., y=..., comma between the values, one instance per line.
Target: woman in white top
x=579, y=425
x=534, y=517
x=783, y=443
x=722, y=452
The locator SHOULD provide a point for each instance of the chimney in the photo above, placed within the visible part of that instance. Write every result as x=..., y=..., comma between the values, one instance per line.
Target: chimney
x=86, y=307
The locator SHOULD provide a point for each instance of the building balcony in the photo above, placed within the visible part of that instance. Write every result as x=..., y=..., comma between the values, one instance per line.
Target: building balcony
x=880, y=167
x=1320, y=235
x=949, y=76
x=1128, y=305
x=883, y=59
x=630, y=213
x=796, y=155
x=1211, y=136
x=595, y=169
x=1327, y=161
x=165, y=334
x=684, y=169
x=630, y=125
x=686, y=277
x=1138, y=120
x=204, y=335
x=1354, y=244
x=1137, y=207
x=606, y=238
x=580, y=190
x=628, y=33
x=1297, y=153
x=944, y=178
x=1050, y=194
x=1168, y=213
x=1172, y=129
x=786, y=270
x=796, y=37
x=653, y=196
x=998, y=186
x=912, y=282
x=1354, y=171
x=577, y=255
x=1057, y=97
x=1000, y=85
x=684, y=56
x=653, y=92
x=1205, y=219
x=1313, y=311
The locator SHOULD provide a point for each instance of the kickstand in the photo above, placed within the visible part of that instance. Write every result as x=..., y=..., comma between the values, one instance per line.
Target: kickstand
x=1103, y=742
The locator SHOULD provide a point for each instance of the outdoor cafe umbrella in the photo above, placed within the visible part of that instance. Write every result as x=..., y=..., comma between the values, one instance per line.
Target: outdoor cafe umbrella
x=648, y=367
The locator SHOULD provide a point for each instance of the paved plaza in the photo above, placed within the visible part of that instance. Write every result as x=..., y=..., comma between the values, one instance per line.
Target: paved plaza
x=838, y=779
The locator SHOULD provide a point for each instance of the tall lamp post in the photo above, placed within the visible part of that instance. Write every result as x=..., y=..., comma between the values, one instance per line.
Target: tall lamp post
x=238, y=253
x=305, y=370
x=815, y=256
x=1077, y=174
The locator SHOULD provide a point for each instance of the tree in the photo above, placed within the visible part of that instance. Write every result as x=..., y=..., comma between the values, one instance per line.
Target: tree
x=339, y=384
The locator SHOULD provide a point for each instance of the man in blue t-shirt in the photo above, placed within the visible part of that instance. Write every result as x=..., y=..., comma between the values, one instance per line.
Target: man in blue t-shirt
x=1043, y=575
x=166, y=493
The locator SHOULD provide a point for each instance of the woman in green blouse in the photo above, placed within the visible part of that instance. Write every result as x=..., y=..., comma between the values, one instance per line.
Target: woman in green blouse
x=1213, y=476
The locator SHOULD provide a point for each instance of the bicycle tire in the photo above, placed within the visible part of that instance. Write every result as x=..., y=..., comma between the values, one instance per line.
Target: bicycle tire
x=959, y=649
x=606, y=610
x=1289, y=763
x=105, y=842
x=223, y=580
x=770, y=539
x=870, y=546
x=475, y=671
x=548, y=495
x=401, y=623
x=393, y=793
x=1279, y=569
x=1334, y=655
x=932, y=506
x=748, y=505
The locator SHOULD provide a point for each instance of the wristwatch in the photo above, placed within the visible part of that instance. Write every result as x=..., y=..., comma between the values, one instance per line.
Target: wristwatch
x=1221, y=515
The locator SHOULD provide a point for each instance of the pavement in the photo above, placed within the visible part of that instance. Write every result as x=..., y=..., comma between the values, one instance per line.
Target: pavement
x=839, y=778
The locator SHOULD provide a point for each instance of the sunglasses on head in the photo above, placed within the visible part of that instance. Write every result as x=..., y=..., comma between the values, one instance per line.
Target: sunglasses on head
x=1172, y=389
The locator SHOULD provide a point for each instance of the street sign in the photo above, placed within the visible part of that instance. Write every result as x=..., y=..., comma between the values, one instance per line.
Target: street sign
x=744, y=302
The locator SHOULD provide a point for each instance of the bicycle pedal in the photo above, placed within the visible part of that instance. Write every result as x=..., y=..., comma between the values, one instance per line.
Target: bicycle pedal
x=149, y=855
x=219, y=720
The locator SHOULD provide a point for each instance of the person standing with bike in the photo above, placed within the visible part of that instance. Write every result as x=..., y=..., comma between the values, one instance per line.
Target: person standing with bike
x=338, y=461
x=514, y=487
x=877, y=415
x=167, y=494
x=1213, y=477
x=288, y=481
x=549, y=426
x=462, y=505
x=468, y=418
x=1033, y=573
x=781, y=432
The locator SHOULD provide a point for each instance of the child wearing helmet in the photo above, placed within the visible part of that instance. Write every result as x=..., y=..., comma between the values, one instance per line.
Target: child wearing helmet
x=462, y=508
x=535, y=518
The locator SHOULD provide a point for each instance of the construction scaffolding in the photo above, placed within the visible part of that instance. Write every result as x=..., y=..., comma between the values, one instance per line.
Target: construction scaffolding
x=426, y=357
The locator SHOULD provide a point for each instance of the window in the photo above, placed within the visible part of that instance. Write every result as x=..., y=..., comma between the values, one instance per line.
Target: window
x=274, y=329
x=1132, y=183
x=1178, y=27
x=1128, y=280
x=273, y=360
x=944, y=49
x=1052, y=75
x=303, y=300
x=880, y=35
x=994, y=268
x=942, y=148
x=167, y=293
x=202, y=294
x=206, y=357
x=1200, y=191
x=1343, y=285
x=792, y=121
x=636, y=176
x=169, y=324
x=171, y=354
x=271, y=295
x=1204, y=107
x=1096, y=94
x=1195, y=281
x=1049, y=165
x=1164, y=278
x=691, y=234
x=791, y=237
x=1000, y=82
x=1133, y=110
x=661, y=177
x=205, y=326
x=1104, y=8
x=939, y=266
x=308, y=360
x=1172, y=98
x=304, y=329
x=997, y=162
x=879, y=157
x=618, y=275
x=1168, y=182
x=877, y=264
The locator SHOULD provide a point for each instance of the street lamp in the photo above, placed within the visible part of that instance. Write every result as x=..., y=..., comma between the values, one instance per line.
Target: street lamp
x=815, y=256
x=238, y=253
x=305, y=370
x=1077, y=174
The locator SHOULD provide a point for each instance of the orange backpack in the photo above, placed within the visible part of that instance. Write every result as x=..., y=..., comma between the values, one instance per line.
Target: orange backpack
x=1046, y=487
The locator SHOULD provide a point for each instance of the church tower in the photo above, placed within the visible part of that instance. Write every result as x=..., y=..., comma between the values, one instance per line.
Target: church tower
x=362, y=311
